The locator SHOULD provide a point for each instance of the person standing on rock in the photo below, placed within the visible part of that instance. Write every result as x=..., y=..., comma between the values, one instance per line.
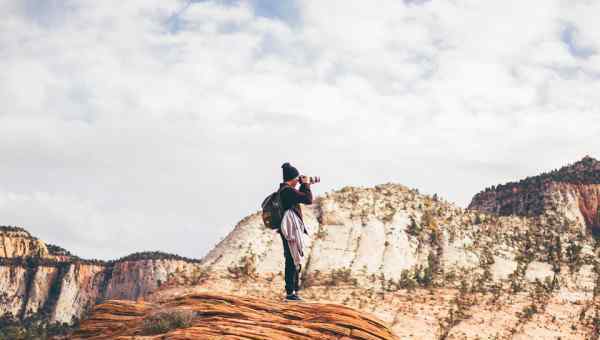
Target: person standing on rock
x=292, y=226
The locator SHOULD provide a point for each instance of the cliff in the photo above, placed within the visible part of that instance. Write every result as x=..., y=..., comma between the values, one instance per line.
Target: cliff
x=221, y=316
x=573, y=190
x=17, y=242
x=45, y=282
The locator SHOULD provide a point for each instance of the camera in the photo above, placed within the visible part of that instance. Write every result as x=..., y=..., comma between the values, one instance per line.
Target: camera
x=309, y=179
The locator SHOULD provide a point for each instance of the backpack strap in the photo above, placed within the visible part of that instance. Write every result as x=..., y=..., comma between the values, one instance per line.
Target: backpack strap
x=279, y=191
x=286, y=186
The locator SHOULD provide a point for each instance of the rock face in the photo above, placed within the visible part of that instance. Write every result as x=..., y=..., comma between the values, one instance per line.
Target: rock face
x=46, y=282
x=80, y=287
x=12, y=288
x=17, y=242
x=388, y=231
x=574, y=190
x=134, y=279
x=221, y=316
x=40, y=290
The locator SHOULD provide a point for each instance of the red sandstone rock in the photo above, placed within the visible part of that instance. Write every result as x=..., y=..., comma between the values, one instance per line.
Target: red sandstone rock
x=219, y=316
x=572, y=190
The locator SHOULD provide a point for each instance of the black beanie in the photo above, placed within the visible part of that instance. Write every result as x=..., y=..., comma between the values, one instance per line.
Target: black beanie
x=289, y=172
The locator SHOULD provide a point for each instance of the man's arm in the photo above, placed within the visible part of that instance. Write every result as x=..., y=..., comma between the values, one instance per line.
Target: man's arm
x=304, y=195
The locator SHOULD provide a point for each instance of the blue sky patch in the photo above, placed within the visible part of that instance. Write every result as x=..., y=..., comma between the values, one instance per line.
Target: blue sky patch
x=568, y=35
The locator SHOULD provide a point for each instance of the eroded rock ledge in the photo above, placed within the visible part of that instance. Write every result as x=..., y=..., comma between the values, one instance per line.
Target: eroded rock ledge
x=220, y=316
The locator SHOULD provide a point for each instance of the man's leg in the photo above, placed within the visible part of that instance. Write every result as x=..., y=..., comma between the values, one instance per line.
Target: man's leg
x=290, y=268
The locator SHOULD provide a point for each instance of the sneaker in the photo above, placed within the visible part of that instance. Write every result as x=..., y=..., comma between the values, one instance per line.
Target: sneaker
x=293, y=297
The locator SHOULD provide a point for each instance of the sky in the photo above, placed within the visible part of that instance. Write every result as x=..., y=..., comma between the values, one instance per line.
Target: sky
x=159, y=124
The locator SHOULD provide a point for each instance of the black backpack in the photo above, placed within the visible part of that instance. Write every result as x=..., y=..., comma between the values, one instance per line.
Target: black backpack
x=272, y=210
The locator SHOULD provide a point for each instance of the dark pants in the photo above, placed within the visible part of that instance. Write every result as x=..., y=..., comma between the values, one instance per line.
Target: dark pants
x=292, y=274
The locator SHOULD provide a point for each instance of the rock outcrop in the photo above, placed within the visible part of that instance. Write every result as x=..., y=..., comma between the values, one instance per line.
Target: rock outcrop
x=390, y=232
x=221, y=316
x=39, y=281
x=17, y=242
x=573, y=190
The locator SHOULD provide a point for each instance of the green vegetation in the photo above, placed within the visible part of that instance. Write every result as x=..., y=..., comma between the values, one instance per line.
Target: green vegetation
x=154, y=255
x=245, y=269
x=407, y=281
x=574, y=258
x=14, y=229
x=459, y=311
x=166, y=321
x=413, y=228
x=484, y=282
x=321, y=233
x=32, y=329
x=310, y=279
x=424, y=275
x=539, y=295
x=340, y=276
x=582, y=172
x=58, y=251
x=595, y=326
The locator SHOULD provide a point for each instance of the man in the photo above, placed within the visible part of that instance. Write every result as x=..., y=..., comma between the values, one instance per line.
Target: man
x=291, y=198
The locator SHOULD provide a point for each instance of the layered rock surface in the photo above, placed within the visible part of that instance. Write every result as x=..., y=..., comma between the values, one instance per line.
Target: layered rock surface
x=221, y=316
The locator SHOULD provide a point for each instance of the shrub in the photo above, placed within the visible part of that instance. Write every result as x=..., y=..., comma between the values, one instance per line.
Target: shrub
x=166, y=321
x=413, y=228
x=427, y=220
x=310, y=279
x=424, y=276
x=406, y=281
x=199, y=276
x=527, y=313
x=154, y=255
x=32, y=329
x=459, y=311
x=245, y=269
x=56, y=250
x=574, y=258
x=340, y=276
x=321, y=233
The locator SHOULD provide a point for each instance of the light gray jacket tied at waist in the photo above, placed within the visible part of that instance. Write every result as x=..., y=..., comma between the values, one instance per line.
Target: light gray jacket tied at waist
x=293, y=229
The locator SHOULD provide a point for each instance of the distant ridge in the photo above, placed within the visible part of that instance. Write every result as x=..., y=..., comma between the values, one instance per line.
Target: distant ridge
x=585, y=171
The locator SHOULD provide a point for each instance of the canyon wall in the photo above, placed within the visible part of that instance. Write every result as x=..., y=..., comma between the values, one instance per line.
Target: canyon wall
x=38, y=283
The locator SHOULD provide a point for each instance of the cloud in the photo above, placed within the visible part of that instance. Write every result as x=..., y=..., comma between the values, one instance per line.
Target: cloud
x=159, y=124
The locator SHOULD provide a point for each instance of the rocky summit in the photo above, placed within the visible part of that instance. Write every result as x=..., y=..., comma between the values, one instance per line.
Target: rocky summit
x=520, y=263
x=222, y=316
x=573, y=190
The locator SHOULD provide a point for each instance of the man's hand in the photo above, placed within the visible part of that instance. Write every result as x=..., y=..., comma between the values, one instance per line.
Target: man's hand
x=309, y=180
